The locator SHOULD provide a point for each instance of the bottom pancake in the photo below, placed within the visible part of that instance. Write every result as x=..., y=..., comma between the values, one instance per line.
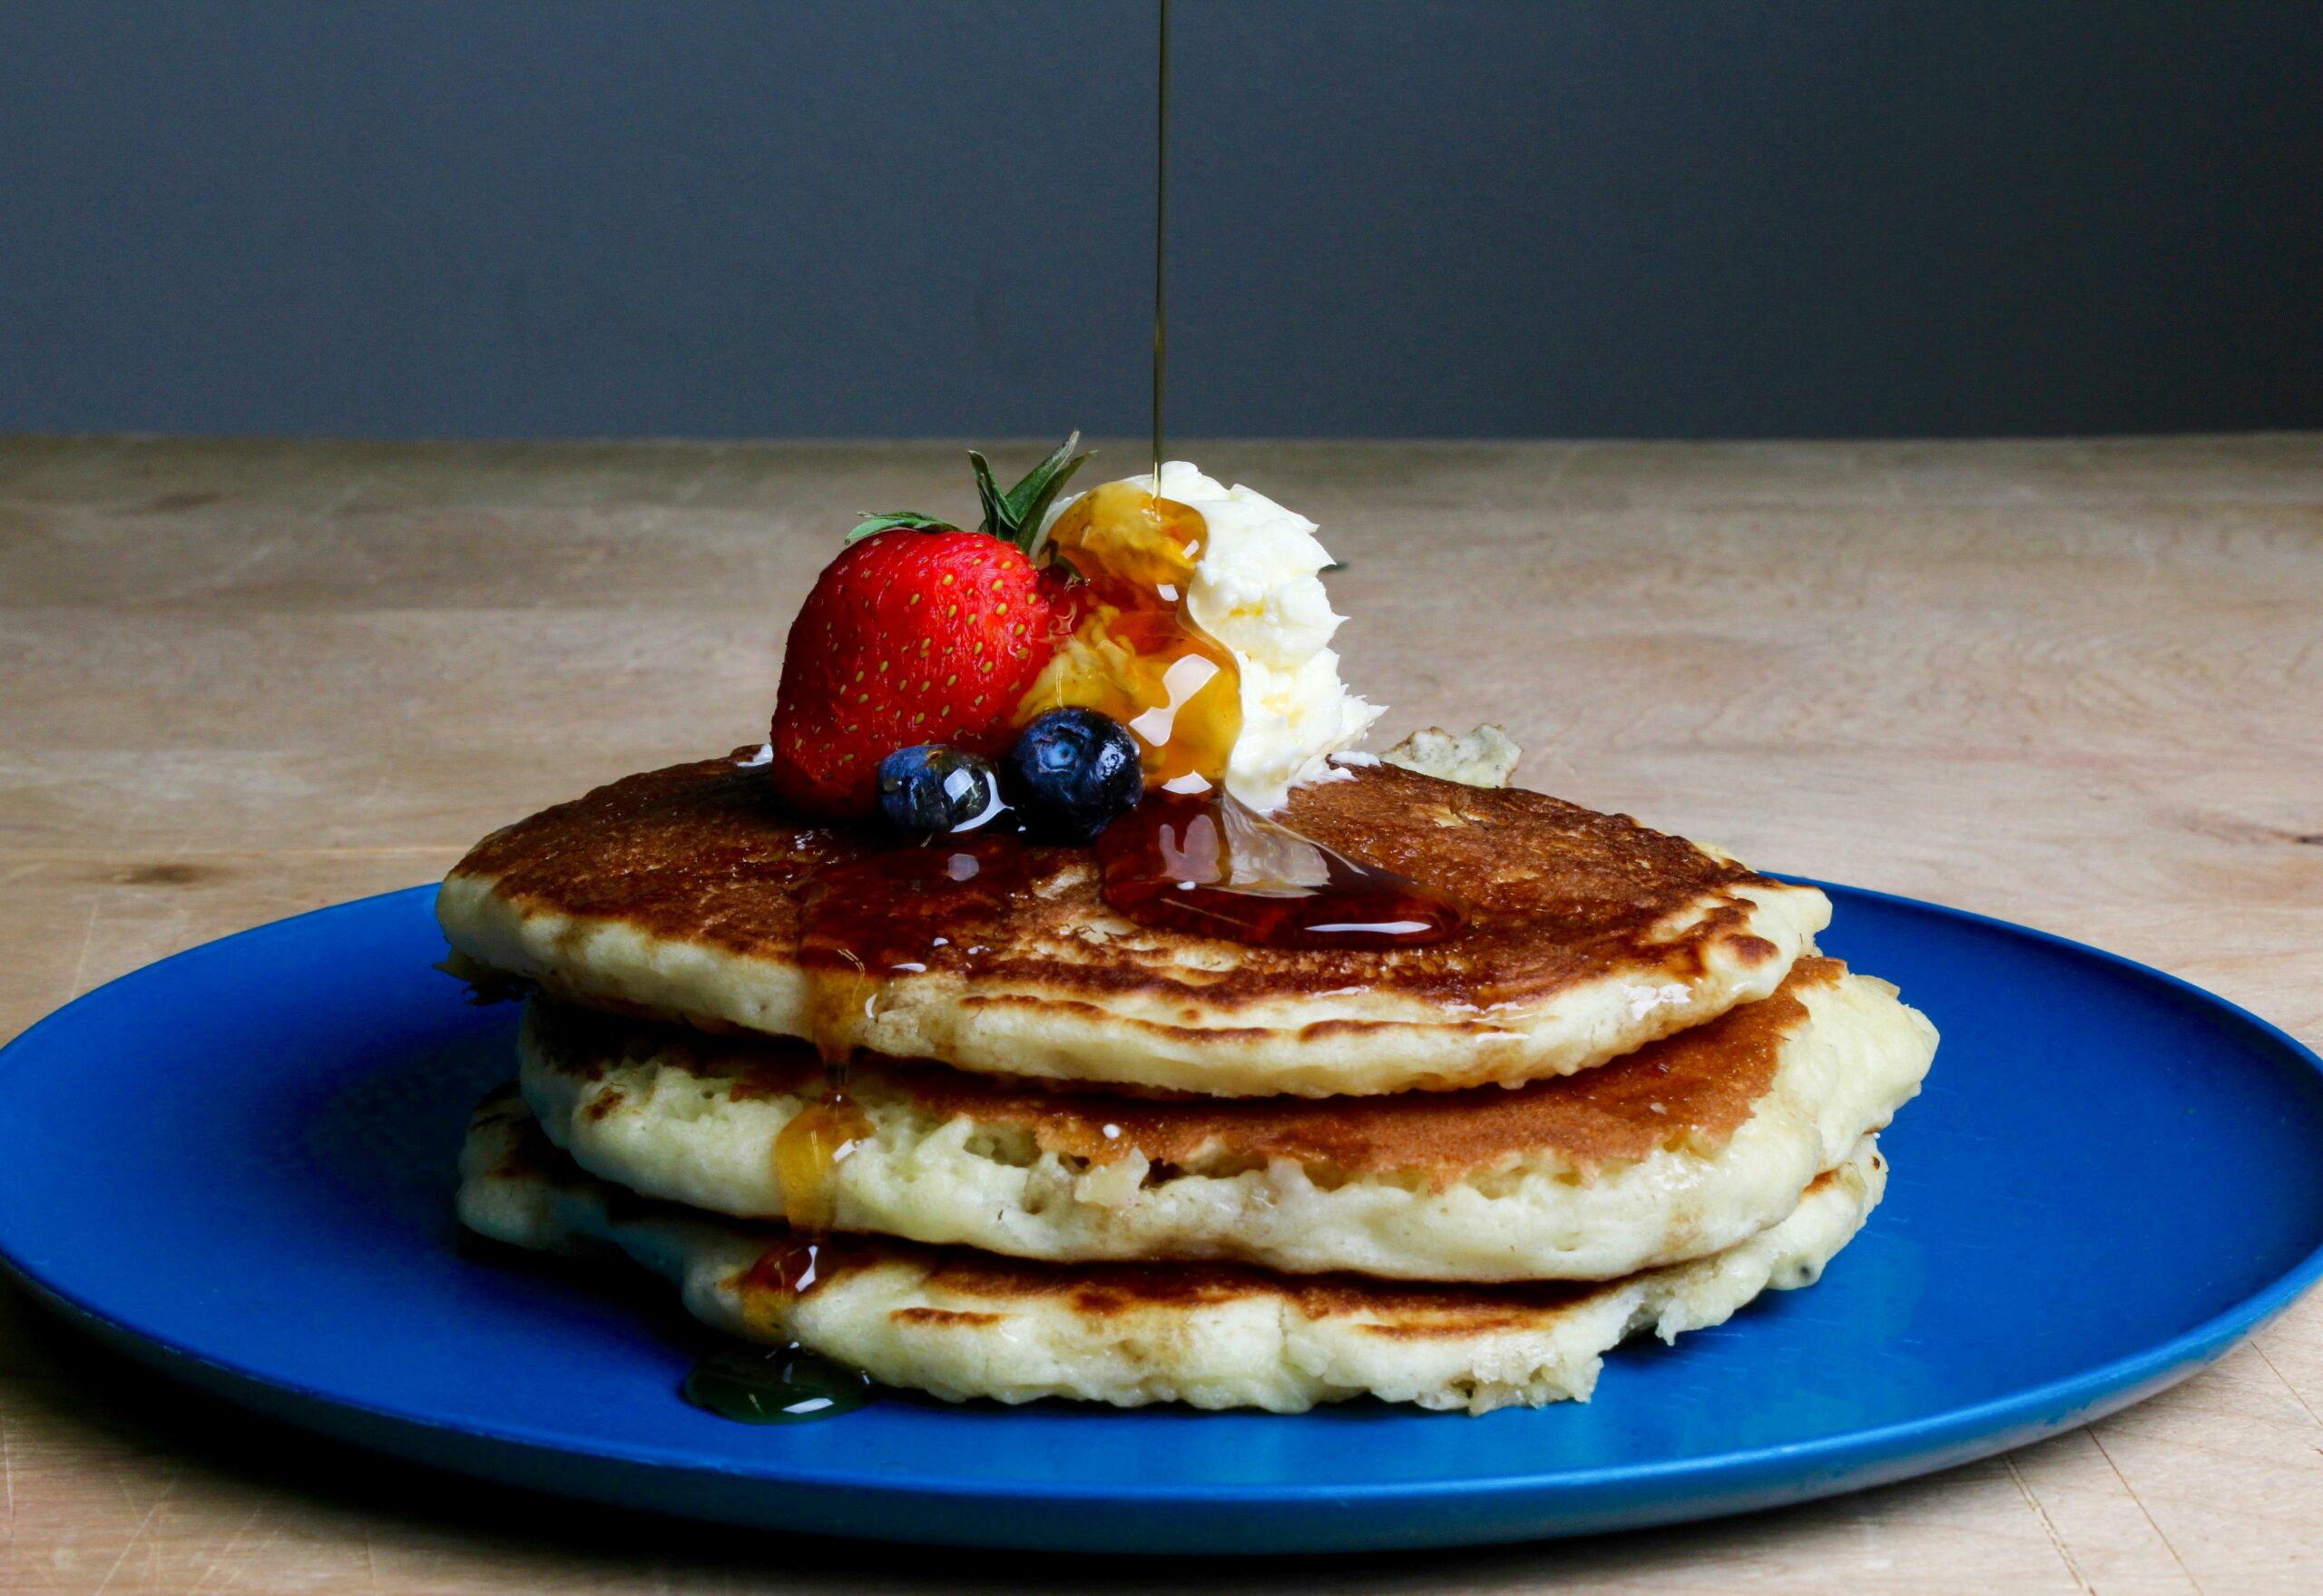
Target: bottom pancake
x=961, y=1324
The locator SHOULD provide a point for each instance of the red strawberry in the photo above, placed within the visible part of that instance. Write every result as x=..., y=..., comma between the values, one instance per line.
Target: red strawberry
x=919, y=632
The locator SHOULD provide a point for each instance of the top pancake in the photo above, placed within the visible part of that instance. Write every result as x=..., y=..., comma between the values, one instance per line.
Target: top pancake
x=691, y=894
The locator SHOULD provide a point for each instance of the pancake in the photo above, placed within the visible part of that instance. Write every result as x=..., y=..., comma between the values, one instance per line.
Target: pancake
x=1686, y=1147
x=961, y=1324
x=689, y=893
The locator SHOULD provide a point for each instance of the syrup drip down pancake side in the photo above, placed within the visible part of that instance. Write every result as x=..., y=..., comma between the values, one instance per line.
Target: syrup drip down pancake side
x=1686, y=1147
x=961, y=1324
x=690, y=895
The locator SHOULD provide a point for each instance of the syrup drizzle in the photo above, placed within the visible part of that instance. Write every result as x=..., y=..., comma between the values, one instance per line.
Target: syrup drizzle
x=809, y=1150
x=787, y=1384
x=864, y=922
x=791, y=1385
x=1190, y=858
x=1161, y=235
x=1135, y=654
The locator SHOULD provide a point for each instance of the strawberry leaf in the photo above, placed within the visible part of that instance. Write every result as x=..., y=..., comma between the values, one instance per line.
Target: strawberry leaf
x=995, y=505
x=871, y=525
x=1029, y=500
x=1015, y=515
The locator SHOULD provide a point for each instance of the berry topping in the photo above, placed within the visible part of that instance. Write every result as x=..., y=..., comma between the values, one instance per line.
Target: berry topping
x=918, y=633
x=1071, y=772
x=931, y=789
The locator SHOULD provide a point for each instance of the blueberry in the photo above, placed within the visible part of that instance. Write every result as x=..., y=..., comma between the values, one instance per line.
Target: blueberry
x=1071, y=772
x=930, y=788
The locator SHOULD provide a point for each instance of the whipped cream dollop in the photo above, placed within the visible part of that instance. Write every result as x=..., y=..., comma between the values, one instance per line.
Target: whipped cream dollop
x=1258, y=589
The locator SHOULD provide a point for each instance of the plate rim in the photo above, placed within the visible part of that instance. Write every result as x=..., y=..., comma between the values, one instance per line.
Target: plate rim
x=1849, y=1460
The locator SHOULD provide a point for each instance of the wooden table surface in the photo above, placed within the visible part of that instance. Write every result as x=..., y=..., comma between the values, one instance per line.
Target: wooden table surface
x=2075, y=684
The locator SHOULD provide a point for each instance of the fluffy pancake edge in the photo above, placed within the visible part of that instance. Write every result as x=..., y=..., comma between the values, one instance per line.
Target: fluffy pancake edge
x=670, y=1117
x=1102, y=1000
x=1351, y=1043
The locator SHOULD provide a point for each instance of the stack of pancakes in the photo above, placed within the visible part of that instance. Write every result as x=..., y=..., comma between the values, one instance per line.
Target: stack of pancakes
x=972, y=1131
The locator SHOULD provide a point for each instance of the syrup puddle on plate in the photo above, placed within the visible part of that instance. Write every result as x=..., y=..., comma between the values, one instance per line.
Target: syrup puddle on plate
x=782, y=1382
x=776, y=1385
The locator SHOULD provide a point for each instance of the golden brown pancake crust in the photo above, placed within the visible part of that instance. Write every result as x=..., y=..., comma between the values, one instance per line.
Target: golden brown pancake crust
x=1413, y=1310
x=1095, y=1290
x=706, y=853
x=1695, y=1089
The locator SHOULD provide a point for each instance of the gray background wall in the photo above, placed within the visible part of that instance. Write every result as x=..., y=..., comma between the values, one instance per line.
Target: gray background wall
x=918, y=217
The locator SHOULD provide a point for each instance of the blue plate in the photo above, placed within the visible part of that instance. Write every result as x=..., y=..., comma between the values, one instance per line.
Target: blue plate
x=237, y=1165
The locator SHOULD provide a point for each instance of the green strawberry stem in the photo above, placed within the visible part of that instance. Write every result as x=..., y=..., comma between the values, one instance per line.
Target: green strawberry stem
x=1014, y=516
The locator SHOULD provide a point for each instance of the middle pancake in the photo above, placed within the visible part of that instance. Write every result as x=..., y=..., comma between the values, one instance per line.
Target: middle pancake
x=1681, y=1148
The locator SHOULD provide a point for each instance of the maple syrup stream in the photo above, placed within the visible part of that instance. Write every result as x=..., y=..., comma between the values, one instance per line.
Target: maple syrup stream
x=1160, y=236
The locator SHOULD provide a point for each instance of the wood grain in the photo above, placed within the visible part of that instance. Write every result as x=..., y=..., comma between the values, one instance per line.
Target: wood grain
x=2077, y=684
